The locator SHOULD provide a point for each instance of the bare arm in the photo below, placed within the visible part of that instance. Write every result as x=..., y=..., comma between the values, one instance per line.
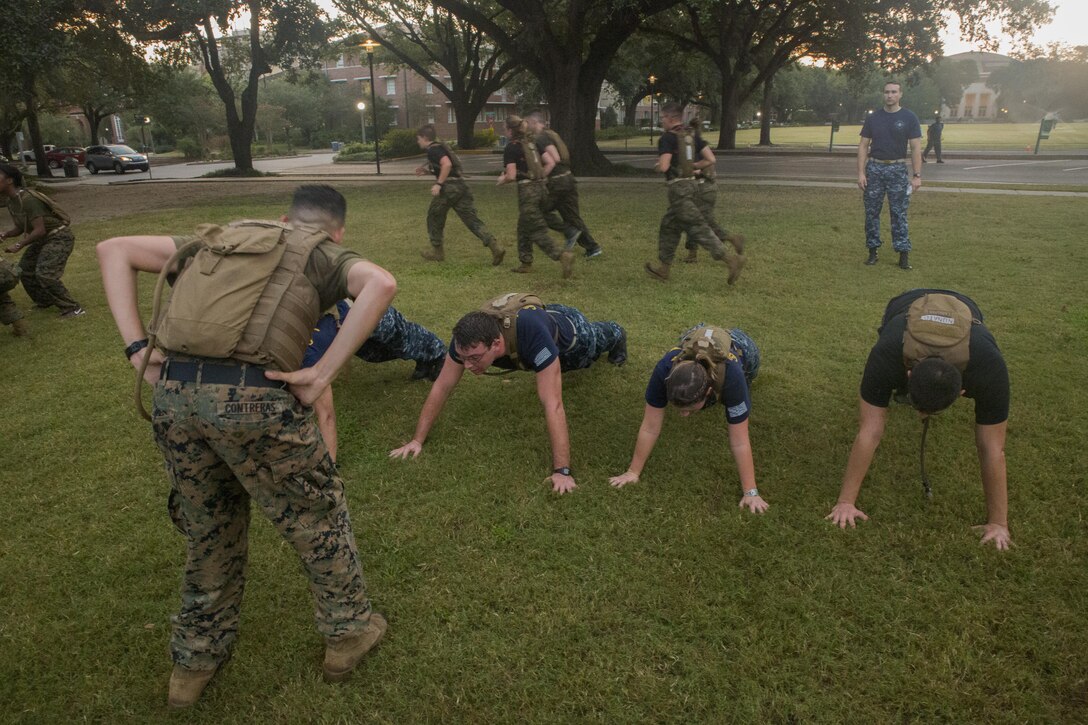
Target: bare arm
x=436, y=400
x=553, y=153
x=510, y=173
x=445, y=166
x=741, y=446
x=648, y=433
x=916, y=162
x=706, y=159
x=373, y=289
x=325, y=412
x=663, y=162
x=37, y=231
x=549, y=388
x=990, y=441
x=870, y=430
x=863, y=158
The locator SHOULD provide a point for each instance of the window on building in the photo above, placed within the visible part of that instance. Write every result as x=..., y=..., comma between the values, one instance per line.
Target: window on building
x=982, y=111
x=390, y=86
x=395, y=120
x=953, y=112
x=429, y=88
x=968, y=112
x=340, y=62
x=450, y=117
x=430, y=115
x=339, y=80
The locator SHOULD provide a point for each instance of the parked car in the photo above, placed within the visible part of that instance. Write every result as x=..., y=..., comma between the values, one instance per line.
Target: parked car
x=118, y=157
x=28, y=155
x=57, y=156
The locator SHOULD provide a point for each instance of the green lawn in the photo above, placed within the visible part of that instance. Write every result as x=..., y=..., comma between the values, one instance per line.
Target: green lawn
x=957, y=137
x=660, y=602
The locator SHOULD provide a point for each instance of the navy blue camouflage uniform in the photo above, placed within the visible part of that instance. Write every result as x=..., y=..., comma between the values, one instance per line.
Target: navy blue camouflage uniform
x=886, y=174
x=395, y=338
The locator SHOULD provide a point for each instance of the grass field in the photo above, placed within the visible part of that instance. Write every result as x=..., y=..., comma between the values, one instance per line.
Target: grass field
x=1008, y=137
x=660, y=602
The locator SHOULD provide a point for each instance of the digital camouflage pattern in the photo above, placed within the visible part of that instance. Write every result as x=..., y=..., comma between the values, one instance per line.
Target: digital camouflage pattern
x=223, y=446
x=455, y=195
x=706, y=199
x=9, y=312
x=684, y=215
x=532, y=226
x=42, y=266
x=894, y=181
x=592, y=339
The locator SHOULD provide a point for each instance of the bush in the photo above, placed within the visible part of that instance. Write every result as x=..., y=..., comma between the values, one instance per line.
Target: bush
x=343, y=158
x=399, y=142
x=190, y=148
x=485, y=139
x=235, y=172
x=355, y=148
x=615, y=132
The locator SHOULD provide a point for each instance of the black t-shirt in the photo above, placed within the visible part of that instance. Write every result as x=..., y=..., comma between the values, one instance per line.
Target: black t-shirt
x=543, y=141
x=669, y=143
x=986, y=379
x=735, y=395
x=541, y=336
x=435, y=154
x=515, y=154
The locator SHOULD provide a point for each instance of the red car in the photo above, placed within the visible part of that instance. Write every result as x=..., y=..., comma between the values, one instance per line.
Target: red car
x=57, y=156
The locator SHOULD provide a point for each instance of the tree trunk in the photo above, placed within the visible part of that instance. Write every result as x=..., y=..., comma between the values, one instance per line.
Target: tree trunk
x=36, y=136
x=573, y=89
x=630, y=108
x=466, y=111
x=765, y=114
x=727, y=137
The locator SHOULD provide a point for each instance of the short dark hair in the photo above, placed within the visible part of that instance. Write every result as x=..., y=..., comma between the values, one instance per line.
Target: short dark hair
x=475, y=327
x=12, y=173
x=934, y=385
x=427, y=131
x=673, y=109
x=535, y=114
x=892, y=82
x=318, y=205
x=687, y=383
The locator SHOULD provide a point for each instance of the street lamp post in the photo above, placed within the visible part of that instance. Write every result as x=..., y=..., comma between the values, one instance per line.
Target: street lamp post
x=370, y=46
x=362, y=119
x=653, y=79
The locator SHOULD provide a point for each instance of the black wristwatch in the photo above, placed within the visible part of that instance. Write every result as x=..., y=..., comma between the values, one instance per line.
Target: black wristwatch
x=134, y=348
x=917, y=176
x=565, y=471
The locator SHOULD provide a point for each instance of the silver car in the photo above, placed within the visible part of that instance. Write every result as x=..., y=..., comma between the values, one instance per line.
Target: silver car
x=118, y=157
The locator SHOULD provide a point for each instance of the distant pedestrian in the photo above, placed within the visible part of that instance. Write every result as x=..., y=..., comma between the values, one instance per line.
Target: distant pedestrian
x=47, y=238
x=882, y=169
x=933, y=139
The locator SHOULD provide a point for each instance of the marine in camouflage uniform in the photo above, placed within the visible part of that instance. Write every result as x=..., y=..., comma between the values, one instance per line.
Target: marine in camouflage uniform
x=449, y=191
x=706, y=199
x=229, y=434
x=48, y=241
x=10, y=314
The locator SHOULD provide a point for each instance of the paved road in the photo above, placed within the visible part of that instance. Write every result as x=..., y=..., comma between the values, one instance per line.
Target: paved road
x=836, y=168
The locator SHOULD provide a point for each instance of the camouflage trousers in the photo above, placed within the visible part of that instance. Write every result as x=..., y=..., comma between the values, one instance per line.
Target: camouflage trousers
x=224, y=445
x=395, y=338
x=894, y=181
x=706, y=198
x=42, y=266
x=9, y=312
x=684, y=216
x=532, y=225
x=455, y=195
x=592, y=339
x=562, y=210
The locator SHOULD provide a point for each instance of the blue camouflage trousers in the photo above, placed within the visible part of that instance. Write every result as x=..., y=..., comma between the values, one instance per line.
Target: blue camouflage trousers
x=395, y=338
x=223, y=446
x=891, y=180
x=592, y=339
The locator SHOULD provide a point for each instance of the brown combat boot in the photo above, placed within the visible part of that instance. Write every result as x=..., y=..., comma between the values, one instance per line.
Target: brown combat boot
x=497, y=253
x=434, y=254
x=342, y=655
x=566, y=263
x=693, y=256
x=186, y=686
x=737, y=240
x=736, y=264
x=19, y=328
x=659, y=271
x=522, y=268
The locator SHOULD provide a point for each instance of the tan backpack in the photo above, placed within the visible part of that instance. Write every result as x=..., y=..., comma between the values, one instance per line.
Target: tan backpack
x=686, y=163
x=534, y=167
x=505, y=309
x=560, y=146
x=712, y=348
x=938, y=325
x=50, y=204
x=455, y=161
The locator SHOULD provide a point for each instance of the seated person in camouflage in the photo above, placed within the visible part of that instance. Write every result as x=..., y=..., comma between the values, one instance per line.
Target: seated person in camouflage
x=449, y=190
x=10, y=314
x=231, y=430
x=47, y=238
x=692, y=381
x=395, y=338
x=516, y=332
x=931, y=350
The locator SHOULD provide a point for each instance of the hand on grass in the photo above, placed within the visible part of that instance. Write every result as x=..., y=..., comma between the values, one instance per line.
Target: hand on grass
x=997, y=534
x=755, y=504
x=560, y=483
x=411, y=449
x=846, y=513
x=623, y=479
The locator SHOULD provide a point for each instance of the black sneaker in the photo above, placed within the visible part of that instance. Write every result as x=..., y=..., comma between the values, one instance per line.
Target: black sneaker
x=595, y=252
x=428, y=370
x=872, y=258
x=618, y=354
x=76, y=312
x=573, y=239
